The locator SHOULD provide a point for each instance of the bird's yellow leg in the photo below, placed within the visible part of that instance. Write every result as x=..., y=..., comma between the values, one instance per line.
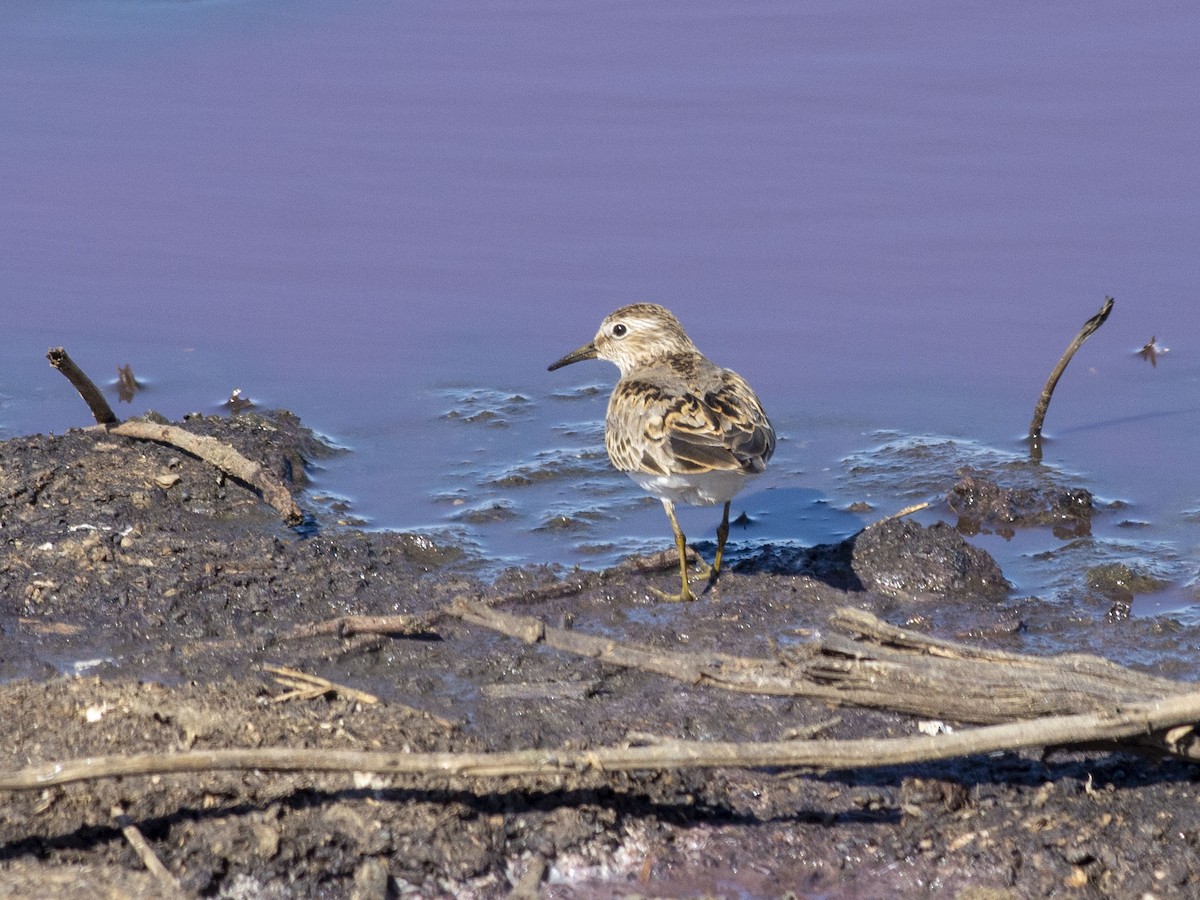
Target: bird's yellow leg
x=681, y=545
x=722, y=537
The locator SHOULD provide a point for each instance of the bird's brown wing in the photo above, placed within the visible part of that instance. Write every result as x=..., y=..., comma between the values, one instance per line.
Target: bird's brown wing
x=650, y=429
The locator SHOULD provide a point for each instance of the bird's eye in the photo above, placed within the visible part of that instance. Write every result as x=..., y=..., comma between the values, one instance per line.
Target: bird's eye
x=619, y=330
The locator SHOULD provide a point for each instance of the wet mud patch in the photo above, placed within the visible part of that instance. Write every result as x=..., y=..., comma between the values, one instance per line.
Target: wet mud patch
x=143, y=593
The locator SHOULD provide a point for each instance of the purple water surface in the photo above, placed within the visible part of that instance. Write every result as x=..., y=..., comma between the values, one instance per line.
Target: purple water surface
x=890, y=218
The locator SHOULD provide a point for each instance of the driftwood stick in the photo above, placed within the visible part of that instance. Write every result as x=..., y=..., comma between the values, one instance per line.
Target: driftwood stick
x=221, y=455
x=900, y=514
x=870, y=628
x=764, y=676
x=1121, y=723
x=1039, y=413
x=413, y=624
x=91, y=395
x=399, y=625
x=907, y=672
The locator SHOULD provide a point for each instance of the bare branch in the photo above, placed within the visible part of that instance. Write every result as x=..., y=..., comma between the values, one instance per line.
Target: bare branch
x=221, y=455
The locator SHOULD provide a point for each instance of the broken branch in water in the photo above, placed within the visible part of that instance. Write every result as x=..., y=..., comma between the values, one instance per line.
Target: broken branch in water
x=91, y=395
x=1043, y=404
x=127, y=383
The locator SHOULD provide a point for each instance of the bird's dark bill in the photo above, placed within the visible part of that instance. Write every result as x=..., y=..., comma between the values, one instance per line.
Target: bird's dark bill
x=587, y=351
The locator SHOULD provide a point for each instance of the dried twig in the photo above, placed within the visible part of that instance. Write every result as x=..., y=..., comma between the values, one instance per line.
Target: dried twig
x=542, y=690
x=887, y=667
x=881, y=666
x=900, y=514
x=398, y=625
x=309, y=687
x=1039, y=413
x=1165, y=716
x=878, y=666
x=91, y=395
x=167, y=882
x=401, y=624
x=414, y=624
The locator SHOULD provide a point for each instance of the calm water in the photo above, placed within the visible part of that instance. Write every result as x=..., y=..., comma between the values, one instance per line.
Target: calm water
x=390, y=217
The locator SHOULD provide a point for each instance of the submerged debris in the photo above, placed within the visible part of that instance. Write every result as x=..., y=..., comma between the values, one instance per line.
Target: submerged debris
x=985, y=507
x=1120, y=582
x=238, y=403
x=1151, y=351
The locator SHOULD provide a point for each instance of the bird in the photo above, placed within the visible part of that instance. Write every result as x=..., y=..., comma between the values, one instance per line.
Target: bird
x=683, y=428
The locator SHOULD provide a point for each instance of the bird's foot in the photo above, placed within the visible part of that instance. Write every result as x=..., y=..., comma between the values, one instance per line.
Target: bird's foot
x=684, y=596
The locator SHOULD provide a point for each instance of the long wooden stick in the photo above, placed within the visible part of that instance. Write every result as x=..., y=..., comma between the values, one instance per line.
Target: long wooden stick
x=879, y=670
x=860, y=660
x=1119, y=724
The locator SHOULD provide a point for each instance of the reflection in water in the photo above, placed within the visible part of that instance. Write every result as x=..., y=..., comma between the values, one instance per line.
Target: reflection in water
x=127, y=384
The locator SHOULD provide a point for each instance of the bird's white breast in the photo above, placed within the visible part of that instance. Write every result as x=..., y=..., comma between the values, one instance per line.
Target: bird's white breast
x=701, y=489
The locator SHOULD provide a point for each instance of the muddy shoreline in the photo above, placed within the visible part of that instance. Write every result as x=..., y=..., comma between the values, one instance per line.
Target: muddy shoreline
x=143, y=592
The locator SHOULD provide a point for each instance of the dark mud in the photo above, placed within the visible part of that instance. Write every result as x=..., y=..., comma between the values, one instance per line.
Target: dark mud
x=141, y=593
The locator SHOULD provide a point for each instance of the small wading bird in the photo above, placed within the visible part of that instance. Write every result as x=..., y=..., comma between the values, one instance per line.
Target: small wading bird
x=683, y=428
